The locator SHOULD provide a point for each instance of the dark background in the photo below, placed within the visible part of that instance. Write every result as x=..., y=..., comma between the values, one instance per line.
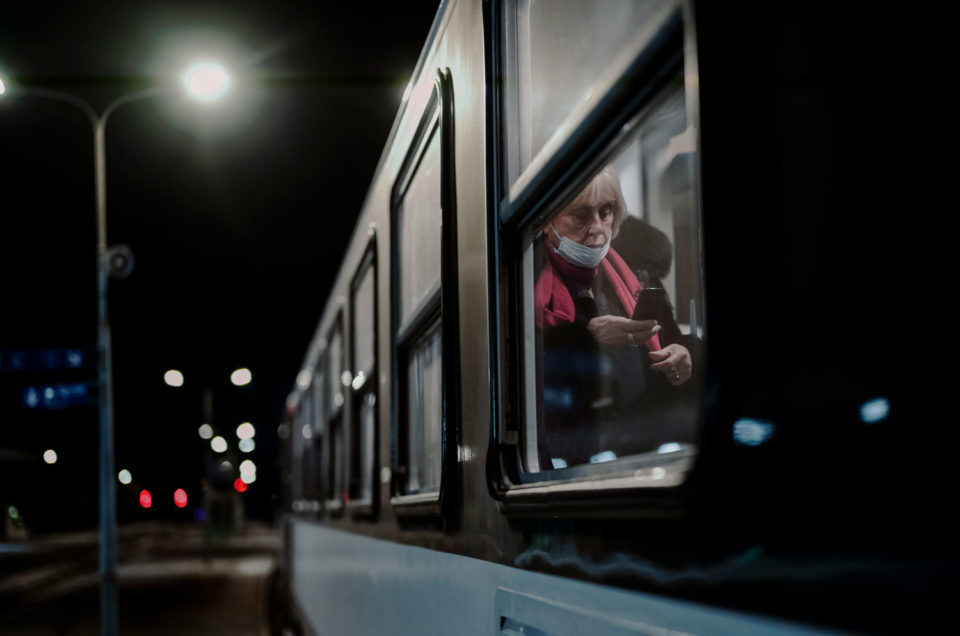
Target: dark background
x=237, y=214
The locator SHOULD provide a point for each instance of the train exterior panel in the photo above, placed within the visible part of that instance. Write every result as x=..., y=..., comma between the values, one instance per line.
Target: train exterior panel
x=460, y=458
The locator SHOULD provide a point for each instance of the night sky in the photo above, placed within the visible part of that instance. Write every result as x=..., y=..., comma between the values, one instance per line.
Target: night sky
x=237, y=214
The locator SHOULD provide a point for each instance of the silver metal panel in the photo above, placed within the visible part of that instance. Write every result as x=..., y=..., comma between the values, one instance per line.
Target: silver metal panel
x=349, y=584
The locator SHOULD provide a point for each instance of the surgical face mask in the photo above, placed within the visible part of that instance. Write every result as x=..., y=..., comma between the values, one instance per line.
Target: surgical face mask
x=580, y=255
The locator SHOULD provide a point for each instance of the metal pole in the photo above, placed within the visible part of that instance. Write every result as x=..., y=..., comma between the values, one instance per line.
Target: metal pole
x=108, y=496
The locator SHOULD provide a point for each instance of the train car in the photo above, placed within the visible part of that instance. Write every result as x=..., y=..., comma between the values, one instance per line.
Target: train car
x=620, y=343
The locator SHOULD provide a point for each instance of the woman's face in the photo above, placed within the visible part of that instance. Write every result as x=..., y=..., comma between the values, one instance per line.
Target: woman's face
x=588, y=219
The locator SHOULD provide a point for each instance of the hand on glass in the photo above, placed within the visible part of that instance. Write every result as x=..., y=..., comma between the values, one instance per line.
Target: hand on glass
x=619, y=331
x=674, y=362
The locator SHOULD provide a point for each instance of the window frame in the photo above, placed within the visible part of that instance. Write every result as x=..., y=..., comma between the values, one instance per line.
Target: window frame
x=587, y=140
x=358, y=392
x=437, y=118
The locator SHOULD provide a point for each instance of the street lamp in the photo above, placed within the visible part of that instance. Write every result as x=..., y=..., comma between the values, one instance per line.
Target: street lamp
x=204, y=82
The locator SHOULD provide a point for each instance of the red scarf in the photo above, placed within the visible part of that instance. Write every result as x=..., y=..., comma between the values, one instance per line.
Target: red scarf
x=553, y=303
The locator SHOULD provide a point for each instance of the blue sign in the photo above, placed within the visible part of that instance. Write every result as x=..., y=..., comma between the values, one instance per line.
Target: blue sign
x=42, y=360
x=56, y=396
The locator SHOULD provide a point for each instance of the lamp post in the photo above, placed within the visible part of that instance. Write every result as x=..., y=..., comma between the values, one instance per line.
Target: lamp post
x=205, y=82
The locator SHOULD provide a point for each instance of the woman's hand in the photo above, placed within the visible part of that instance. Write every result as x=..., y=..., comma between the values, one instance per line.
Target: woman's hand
x=619, y=331
x=674, y=362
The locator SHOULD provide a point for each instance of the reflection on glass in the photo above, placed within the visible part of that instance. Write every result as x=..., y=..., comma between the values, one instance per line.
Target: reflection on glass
x=424, y=406
x=750, y=432
x=560, y=54
x=874, y=411
x=420, y=229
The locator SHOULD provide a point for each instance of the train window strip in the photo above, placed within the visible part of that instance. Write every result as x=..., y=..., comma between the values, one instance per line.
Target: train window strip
x=632, y=76
x=364, y=435
x=529, y=480
x=424, y=318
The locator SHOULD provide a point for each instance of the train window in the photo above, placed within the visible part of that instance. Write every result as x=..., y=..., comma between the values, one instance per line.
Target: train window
x=561, y=59
x=611, y=298
x=424, y=314
x=364, y=383
x=335, y=456
x=306, y=428
x=313, y=440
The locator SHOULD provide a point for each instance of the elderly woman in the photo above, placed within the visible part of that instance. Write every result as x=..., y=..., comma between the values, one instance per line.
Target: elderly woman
x=606, y=377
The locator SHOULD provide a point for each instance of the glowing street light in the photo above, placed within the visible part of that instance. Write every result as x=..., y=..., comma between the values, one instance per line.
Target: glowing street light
x=218, y=444
x=50, y=456
x=205, y=431
x=173, y=378
x=241, y=377
x=206, y=81
x=124, y=476
x=246, y=431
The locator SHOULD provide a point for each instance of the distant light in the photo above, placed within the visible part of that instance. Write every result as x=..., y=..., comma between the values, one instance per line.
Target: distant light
x=874, y=411
x=225, y=467
x=303, y=378
x=283, y=431
x=124, y=476
x=246, y=431
x=248, y=478
x=50, y=456
x=146, y=499
x=206, y=81
x=751, y=432
x=603, y=456
x=173, y=378
x=199, y=514
x=218, y=444
x=669, y=447
x=345, y=378
x=239, y=485
x=558, y=462
x=180, y=498
x=247, y=445
x=206, y=431
x=241, y=377
x=306, y=431
x=247, y=467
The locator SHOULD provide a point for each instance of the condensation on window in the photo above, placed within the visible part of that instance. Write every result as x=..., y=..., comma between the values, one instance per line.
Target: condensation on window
x=560, y=55
x=424, y=405
x=600, y=384
x=419, y=220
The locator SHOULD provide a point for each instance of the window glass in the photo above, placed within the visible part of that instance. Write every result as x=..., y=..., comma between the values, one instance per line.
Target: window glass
x=368, y=422
x=363, y=321
x=335, y=362
x=612, y=298
x=335, y=462
x=424, y=405
x=559, y=55
x=418, y=217
x=316, y=396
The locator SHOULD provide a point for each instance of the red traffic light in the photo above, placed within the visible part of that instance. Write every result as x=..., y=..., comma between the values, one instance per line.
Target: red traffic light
x=146, y=500
x=180, y=498
x=239, y=485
